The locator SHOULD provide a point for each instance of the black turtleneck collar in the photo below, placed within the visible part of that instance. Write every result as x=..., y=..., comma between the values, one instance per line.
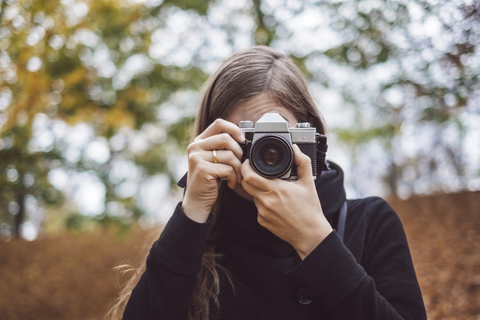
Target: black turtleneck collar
x=330, y=189
x=238, y=216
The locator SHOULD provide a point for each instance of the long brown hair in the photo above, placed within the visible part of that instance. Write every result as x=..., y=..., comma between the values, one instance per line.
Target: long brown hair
x=246, y=74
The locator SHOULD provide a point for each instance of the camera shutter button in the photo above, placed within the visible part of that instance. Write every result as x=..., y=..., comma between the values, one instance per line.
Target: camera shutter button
x=303, y=125
x=245, y=124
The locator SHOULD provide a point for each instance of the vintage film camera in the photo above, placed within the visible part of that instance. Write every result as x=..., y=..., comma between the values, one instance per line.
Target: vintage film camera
x=268, y=145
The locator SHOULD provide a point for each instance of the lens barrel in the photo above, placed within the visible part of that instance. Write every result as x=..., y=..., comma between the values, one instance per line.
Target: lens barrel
x=271, y=156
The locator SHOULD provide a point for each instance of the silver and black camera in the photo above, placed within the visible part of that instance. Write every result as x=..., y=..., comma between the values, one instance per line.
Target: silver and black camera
x=268, y=145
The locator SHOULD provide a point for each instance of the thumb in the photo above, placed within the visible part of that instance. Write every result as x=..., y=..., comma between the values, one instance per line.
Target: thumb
x=303, y=162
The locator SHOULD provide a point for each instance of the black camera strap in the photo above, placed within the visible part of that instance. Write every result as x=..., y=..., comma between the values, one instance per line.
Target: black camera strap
x=182, y=183
x=322, y=147
x=342, y=219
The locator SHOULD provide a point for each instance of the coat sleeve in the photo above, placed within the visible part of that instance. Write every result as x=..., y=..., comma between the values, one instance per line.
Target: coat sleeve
x=382, y=286
x=165, y=289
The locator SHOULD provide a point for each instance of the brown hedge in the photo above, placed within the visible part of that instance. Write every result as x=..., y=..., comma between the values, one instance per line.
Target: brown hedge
x=70, y=276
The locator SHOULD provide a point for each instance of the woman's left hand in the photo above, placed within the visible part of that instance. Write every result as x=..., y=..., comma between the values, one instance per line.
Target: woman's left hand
x=289, y=209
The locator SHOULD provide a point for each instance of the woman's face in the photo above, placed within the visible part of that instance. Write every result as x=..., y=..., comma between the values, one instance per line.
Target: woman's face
x=253, y=110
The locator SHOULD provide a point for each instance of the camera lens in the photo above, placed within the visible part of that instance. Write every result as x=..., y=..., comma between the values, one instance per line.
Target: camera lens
x=271, y=156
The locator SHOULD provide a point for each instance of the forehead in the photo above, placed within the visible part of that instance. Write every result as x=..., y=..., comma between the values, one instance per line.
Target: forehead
x=256, y=107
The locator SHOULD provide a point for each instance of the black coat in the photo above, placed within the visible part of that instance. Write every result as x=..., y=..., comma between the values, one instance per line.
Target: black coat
x=369, y=275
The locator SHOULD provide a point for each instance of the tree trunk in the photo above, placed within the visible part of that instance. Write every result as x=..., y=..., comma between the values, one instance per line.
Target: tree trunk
x=19, y=217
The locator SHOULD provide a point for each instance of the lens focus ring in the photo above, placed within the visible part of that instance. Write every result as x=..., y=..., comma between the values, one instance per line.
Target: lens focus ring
x=271, y=156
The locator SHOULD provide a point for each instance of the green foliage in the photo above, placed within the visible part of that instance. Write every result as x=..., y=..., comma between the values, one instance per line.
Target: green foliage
x=67, y=84
x=182, y=131
x=200, y=6
x=78, y=222
x=359, y=137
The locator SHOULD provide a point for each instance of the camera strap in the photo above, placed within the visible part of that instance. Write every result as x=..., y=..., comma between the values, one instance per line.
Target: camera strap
x=342, y=219
x=182, y=183
x=322, y=147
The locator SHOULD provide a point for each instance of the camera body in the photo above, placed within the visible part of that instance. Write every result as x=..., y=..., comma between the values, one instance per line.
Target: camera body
x=268, y=146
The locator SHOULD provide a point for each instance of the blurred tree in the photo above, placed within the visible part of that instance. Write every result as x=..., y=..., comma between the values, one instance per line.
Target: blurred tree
x=417, y=82
x=72, y=62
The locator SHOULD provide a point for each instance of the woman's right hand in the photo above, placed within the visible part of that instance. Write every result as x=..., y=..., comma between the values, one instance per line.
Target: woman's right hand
x=203, y=180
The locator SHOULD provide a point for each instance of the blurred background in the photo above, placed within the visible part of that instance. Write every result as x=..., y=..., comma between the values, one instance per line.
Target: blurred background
x=97, y=99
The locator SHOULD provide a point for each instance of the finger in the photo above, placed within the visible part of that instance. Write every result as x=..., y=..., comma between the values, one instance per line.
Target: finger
x=260, y=217
x=251, y=190
x=223, y=157
x=220, y=142
x=251, y=178
x=222, y=126
x=303, y=162
x=265, y=220
x=223, y=172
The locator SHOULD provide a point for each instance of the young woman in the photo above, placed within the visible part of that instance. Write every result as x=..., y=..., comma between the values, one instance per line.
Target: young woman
x=257, y=248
